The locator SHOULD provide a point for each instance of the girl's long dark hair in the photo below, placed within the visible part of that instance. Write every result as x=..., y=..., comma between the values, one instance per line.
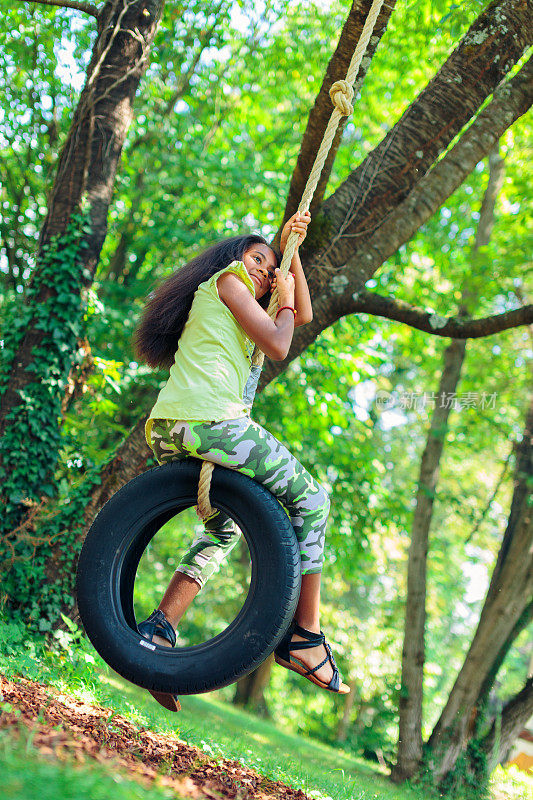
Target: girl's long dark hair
x=166, y=311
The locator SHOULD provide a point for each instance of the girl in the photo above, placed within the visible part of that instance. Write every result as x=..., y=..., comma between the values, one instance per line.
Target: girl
x=215, y=306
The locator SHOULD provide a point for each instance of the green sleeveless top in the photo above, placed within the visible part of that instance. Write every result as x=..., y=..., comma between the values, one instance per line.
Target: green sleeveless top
x=212, y=362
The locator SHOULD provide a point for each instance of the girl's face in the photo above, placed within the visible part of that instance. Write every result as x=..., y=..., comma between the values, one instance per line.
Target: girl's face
x=260, y=263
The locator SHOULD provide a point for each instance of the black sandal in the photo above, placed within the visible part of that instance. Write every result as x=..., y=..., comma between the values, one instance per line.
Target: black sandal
x=282, y=655
x=158, y=625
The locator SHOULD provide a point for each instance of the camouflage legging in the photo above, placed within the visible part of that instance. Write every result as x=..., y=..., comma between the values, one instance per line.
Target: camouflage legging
x=245, y=446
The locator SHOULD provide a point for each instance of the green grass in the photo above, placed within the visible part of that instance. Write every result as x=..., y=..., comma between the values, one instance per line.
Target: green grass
x=224, y=731
x=27, y=775
x=215, y=726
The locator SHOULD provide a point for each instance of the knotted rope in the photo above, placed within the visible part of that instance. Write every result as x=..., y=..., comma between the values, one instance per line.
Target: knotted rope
x=341, y=94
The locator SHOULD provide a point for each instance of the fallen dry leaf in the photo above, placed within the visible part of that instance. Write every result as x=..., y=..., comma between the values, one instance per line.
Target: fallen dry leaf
x=63, y=727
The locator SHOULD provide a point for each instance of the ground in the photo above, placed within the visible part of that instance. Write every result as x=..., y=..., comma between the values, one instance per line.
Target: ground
x=62, y=726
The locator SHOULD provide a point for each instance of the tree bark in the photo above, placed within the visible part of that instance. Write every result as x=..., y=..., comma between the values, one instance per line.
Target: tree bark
x=453, y=327
x=413, y=654
x=87, y=8
x=344, y=722
x=118, y=266
x=493, y=44
x=479, y=716
x=508, y=596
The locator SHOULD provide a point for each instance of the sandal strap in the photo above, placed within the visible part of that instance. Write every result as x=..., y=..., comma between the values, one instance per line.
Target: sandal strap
x=335, y=681
x=285, y=647
x=157, y=625
x=330, y=654
x=314, y=669
x=311, y=636
x=304, y=645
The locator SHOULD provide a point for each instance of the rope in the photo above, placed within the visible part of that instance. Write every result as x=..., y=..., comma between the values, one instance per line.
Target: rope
x=341, y=93
x=204, y=507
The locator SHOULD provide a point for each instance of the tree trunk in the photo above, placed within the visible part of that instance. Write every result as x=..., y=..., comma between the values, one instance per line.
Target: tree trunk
x=411, y=692
x=344, y=722
x=341, y=295
x=413, y=655
x=514, y=717
x=493, y=44
x=508, y=596
x=523, y=622
x=250, y=690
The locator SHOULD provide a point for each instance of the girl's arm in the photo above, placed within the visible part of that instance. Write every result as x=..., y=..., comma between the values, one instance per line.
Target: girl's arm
x=273, y=337
x=302, y=298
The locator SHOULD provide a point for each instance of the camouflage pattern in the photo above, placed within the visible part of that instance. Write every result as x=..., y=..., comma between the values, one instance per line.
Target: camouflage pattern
x=245, y=446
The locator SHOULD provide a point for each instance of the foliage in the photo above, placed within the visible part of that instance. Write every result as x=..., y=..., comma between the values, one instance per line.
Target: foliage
x=55, y=307
x=65, y=658
x=216, y=605
x=468, y=777
x=38, y=49
x=27, y=471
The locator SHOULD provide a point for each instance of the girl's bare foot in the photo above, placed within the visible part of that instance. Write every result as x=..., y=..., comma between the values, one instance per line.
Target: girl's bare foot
x=159, y=640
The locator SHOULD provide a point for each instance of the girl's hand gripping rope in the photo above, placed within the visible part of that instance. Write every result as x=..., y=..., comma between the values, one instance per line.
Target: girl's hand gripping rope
x=285, y=287
x=298, y=223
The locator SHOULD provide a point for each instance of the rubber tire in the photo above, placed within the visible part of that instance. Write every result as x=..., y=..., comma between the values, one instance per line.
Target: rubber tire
x=110, y=557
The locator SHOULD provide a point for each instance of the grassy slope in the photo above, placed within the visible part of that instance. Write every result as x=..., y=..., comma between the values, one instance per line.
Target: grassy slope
x=27, y=775
x=222, y=730
x=217, y=727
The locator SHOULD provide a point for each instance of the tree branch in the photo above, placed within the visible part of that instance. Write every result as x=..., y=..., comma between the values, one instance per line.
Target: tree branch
x=481, y=710
x=493, y=496
x=429, y=322
x=87, y=8
x=509, y=102
x=360, y=204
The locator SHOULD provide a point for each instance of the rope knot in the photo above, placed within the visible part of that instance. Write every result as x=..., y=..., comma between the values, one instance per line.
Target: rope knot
x=341, y=94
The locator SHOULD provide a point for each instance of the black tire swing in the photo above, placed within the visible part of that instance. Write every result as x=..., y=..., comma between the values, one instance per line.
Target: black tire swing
x=110, y=557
